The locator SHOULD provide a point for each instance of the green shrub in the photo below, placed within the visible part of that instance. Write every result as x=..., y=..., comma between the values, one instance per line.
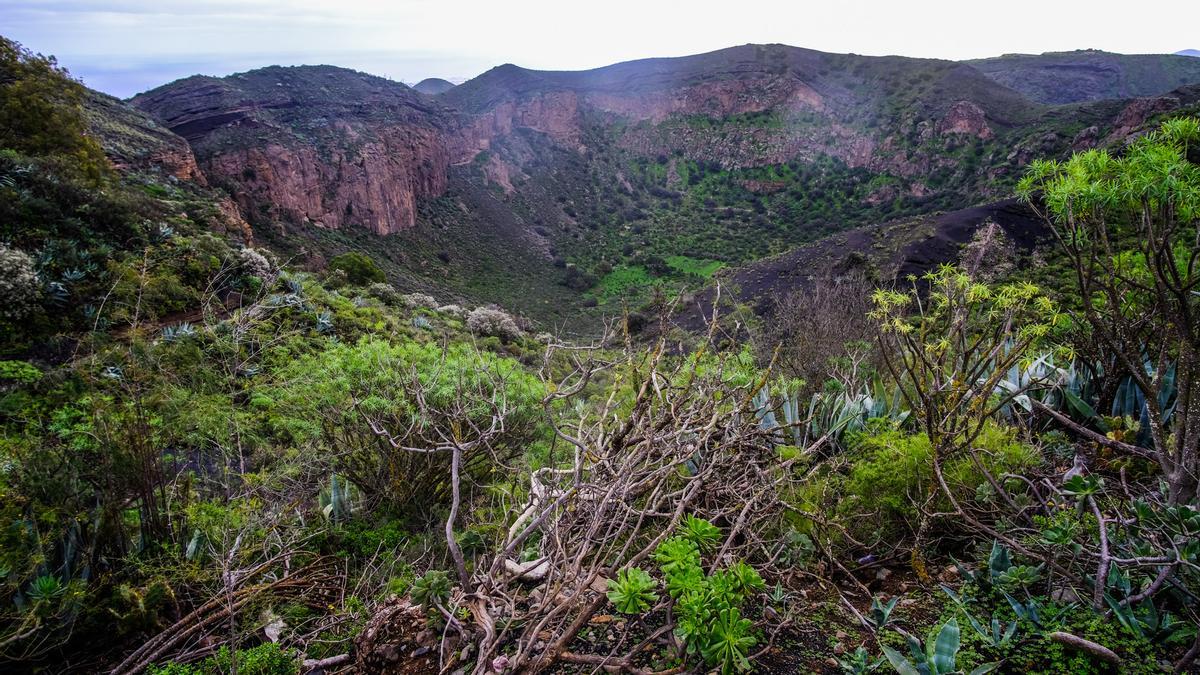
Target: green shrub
x=331, y=395
x=266, y=659
x=359, y=268
x=892, y=472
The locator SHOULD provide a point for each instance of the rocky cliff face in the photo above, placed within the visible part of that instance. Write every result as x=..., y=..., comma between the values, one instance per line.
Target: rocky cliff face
x=374, y=185
x=320, y=146
x=334, y=148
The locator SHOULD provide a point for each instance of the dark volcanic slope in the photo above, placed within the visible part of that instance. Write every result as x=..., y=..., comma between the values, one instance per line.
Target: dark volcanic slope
x=1089, y=75
x=751, y=76
x=894, y=250
x=433, y=86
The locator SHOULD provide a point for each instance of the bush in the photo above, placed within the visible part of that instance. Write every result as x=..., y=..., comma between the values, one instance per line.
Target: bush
x=419, y=301
x=20, y=289
x=251, y=263
x=41, y=111
x=892, y=472
x=453, y=311
x=488, y=322
x=359, y=268
x=383, y=292
x=266, y=659
x=453, y=384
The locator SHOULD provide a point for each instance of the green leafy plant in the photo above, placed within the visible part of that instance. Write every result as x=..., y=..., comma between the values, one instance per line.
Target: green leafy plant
x=729, y=642
x=1019, y=576
x=936, y=657
x=432, y=589
x=881, y=612
x=46, y=588
x=708, y=607
x=700, y=532
x=632, y=591
x=676, y=554
x=859, y=662
x=745, y=579
x=996, y=635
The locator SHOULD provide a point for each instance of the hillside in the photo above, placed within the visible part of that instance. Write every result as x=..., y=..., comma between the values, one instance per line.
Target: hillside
x=604, y=183
x=1090, y=75
x=433, y=86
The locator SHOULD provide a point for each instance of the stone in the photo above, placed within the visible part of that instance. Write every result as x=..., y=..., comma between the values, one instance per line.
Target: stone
x=949, y=574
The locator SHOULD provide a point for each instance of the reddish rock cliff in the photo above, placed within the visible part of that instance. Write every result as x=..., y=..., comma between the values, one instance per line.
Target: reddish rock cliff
x=317, y=145
x=375, y=185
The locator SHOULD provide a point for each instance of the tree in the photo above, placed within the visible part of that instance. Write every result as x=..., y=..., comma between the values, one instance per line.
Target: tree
x=950, y=347
x=41, y=111
x=1128, y=225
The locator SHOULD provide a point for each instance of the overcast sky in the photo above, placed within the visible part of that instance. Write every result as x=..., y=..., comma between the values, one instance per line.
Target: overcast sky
x=127, y=46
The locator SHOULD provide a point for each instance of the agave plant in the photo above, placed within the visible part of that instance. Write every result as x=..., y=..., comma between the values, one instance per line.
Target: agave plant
x=881, y=612
x=935, y=657
x=829, y=414
x=335, y=502
x=1076, y=392
x=859, y=662
x=325, y=322
x=56, y=293
x=178, y=332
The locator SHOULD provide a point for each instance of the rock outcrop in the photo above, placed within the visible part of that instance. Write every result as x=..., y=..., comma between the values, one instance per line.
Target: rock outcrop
x=315, y=145
x=376, y=185
x=965, y=117
x=1090, y=75
x=433, y=86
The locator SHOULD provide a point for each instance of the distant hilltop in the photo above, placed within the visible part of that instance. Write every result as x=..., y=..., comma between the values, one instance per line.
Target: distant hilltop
x=1188, y=52
x=434, y=86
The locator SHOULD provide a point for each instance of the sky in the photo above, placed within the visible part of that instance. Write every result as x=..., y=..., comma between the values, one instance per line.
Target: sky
x=126, y=46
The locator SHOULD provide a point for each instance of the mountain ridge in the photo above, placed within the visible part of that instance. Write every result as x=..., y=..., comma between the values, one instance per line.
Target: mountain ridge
x=723, y=157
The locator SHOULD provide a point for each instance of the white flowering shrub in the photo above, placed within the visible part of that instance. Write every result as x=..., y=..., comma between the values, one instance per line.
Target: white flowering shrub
x=419, y=301
x=20, y=289
x=454, y=311
x=383, y=292
x=253, y=263
x=488, y=322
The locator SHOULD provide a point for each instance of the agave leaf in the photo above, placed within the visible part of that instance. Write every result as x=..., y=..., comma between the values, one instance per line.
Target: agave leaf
x=901, y=664
x=998, y=561
x=950, y=592
x=1082, y=408
x=945, y=648
x=1012, y=629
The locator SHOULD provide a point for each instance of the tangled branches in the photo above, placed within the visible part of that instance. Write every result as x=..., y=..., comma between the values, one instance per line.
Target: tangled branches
x=670, y=438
